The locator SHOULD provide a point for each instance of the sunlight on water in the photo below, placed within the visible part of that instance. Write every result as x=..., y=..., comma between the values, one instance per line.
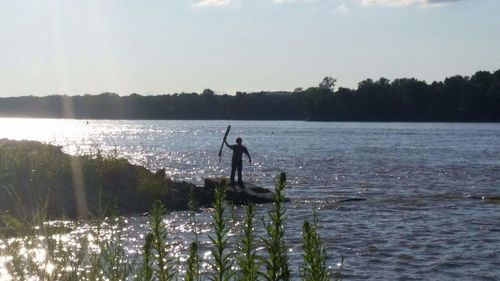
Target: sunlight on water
x=4, y=272
x=153, y=146
x=423, y=188
x=42, y=129
x=74, y=253
x=78, y=248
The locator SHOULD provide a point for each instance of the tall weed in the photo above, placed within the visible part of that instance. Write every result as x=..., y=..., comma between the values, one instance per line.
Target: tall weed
x=161, y=257
x=248, y=260
x=222, y=260
x=314, y=267
x=276, y=263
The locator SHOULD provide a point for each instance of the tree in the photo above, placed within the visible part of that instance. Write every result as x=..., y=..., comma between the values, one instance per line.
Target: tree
x=207, y=92
x=328, y=83
x=298, y=90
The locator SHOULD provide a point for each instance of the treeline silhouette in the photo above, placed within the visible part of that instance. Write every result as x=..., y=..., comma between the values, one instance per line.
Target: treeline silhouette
x=457, y=98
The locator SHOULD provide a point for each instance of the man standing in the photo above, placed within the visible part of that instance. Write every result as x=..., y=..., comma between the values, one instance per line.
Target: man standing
x=237, y=160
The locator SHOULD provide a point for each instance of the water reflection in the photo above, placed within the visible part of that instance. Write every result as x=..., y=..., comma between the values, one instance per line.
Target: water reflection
x=423, y=184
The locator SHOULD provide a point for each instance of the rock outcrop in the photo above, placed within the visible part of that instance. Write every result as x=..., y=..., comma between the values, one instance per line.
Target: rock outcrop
x=249, y=193
x=39, y=178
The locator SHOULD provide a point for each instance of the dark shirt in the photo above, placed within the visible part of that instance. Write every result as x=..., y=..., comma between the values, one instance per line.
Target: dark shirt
x=238, y=151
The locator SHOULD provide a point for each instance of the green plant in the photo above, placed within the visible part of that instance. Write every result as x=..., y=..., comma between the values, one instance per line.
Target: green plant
x=248, y=259
x=26, y=181
x=161, y=257
x=193, y=262
x=100, y=254
x=314, y=267
x=71, y=263
x=112, y=259
x=146, y=271
x=276, y=263
x=222, y=263
x=192, y=267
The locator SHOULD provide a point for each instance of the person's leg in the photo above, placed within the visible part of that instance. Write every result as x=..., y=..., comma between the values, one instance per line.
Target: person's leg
x=233, y=170
x=240, y=178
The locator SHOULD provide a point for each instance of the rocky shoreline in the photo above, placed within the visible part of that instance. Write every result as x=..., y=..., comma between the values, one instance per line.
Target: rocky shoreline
x=36, y=177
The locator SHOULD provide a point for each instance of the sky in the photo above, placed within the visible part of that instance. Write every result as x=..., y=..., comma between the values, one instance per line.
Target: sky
x=153, y=47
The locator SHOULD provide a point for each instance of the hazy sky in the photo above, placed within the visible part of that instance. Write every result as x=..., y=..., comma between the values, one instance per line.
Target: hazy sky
x=158, y=47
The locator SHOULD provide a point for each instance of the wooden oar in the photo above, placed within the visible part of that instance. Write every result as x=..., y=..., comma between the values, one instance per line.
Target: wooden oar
x=222, y=145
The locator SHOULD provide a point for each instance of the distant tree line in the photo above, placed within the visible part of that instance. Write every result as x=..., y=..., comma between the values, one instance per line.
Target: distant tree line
x=457, y=98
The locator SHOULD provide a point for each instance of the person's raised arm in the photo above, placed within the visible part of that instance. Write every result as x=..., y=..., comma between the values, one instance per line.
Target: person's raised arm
x=225, y=142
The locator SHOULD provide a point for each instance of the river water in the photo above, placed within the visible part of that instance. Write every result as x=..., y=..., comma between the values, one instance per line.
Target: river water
x=423, y=218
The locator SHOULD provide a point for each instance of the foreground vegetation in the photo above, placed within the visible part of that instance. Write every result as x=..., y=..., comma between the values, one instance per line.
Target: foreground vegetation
x=101, y=255
x=40, y=183
x=457, y=98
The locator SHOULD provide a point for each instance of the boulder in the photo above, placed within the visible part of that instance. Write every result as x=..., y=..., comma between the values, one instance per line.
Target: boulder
x=249, y=193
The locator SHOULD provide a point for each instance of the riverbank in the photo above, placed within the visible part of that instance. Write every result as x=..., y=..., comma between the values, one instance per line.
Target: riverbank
x=40, y=179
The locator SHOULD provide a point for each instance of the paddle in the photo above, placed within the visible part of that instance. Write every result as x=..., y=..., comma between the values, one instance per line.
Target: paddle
x=222, y=145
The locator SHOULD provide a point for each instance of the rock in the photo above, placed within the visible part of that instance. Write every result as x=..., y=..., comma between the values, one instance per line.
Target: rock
x=250, y=193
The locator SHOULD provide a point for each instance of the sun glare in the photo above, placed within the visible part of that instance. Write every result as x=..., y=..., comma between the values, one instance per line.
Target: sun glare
x=43, y=130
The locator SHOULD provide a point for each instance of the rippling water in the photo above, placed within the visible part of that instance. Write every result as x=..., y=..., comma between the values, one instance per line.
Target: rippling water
x=423, y=217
